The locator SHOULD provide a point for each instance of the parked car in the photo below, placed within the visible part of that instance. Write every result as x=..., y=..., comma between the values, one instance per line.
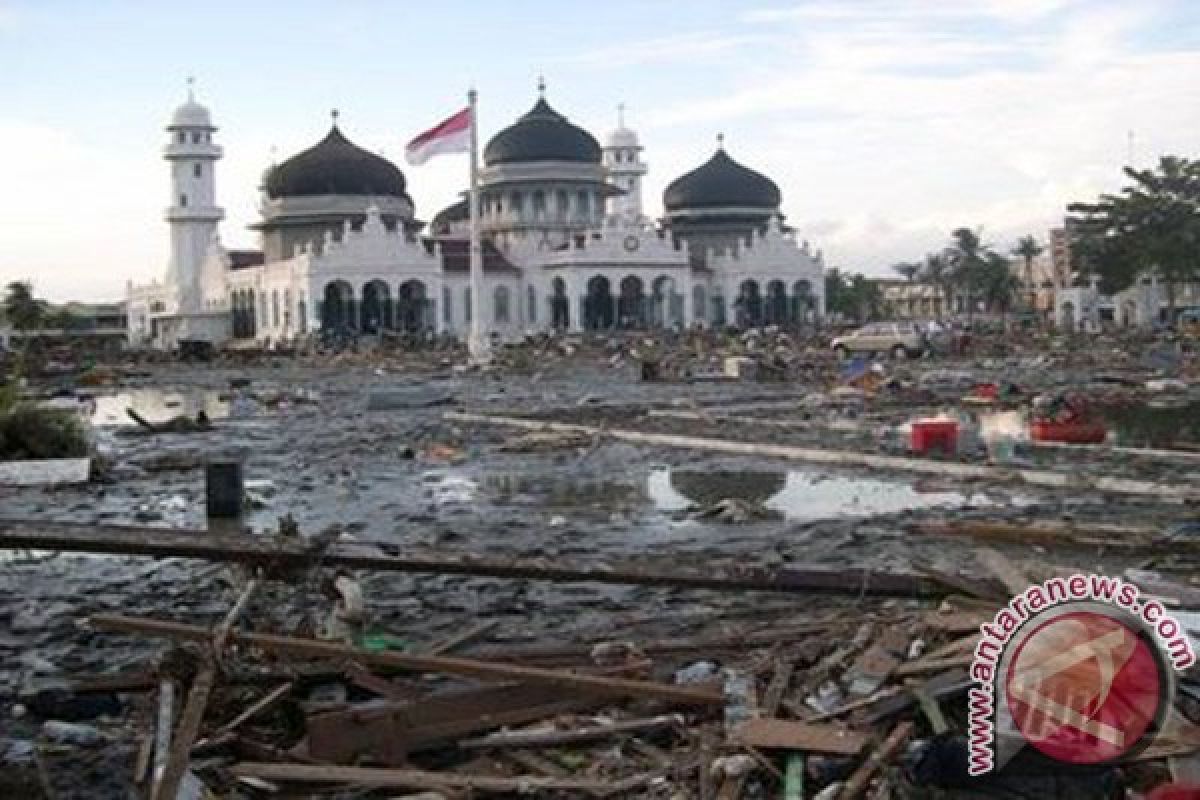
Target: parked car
x=898, y=339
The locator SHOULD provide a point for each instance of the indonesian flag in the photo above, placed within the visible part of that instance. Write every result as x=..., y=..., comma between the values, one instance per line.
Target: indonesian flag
x=452, y=135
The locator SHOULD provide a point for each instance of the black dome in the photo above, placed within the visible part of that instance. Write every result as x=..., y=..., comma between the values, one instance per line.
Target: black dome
x=542, y=135
x=721, y=182
x=456, y=212
x=335, y=165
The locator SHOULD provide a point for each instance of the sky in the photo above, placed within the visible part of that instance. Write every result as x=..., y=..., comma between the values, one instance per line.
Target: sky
x=885, y=123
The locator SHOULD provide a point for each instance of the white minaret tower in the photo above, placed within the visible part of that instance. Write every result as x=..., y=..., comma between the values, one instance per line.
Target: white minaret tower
x=623, y=157
x=193, y=214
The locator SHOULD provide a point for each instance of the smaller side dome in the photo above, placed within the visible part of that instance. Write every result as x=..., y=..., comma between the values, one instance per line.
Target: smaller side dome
x=191, y=115
x=622, y=137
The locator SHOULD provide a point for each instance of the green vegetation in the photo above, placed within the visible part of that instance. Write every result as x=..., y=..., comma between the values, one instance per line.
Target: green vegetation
x=26, y=431
x=1151, y=225
x=852, y=295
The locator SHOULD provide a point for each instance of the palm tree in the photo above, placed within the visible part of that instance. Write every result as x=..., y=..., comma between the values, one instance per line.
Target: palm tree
x=968, y=258
x=906, y=270
x=936, y=271
x=1029, y=249
x=998, y=284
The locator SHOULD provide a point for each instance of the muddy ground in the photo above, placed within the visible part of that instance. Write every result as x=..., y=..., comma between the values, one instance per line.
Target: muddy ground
x=409, y=478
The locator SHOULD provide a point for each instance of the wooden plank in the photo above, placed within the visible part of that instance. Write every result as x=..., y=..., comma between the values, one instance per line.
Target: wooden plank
x=785, y=734
x=274, y=554
x=391, y=731
x=456, y=641
x=421, y=779
x=933, y=665
x=861, y=778
x=1004, y=570
x=538, y=763
x=773, y=697
x=270, y=700
x=569, y=737
x=610, y=687
x=185, y=734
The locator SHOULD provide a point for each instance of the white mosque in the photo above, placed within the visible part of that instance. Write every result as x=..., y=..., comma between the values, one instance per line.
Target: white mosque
x=566, y=244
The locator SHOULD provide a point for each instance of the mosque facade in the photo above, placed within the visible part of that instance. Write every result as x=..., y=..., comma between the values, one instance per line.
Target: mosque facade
x=566, y=244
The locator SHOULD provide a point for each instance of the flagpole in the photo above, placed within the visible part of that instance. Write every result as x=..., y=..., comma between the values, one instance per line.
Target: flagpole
x=477, y=343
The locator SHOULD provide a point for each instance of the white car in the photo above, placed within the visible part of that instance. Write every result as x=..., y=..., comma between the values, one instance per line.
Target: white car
x=898, y=339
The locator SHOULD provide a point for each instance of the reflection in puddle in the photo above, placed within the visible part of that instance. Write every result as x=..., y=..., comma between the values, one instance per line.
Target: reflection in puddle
x=158, y=405
x=798, y=495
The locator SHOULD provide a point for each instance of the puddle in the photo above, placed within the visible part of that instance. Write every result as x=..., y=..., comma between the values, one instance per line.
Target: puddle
x=799, y=495
x=158, y=405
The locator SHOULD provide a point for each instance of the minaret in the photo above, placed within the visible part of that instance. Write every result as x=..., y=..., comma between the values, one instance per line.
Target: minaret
x=193, y=214
x=623, y=158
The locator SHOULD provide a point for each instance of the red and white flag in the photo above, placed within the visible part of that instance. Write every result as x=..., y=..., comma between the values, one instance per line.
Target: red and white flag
x=451, y=135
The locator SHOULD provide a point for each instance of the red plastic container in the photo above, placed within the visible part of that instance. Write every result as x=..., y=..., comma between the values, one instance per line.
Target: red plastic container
x=935, y=434
x=1070, y=432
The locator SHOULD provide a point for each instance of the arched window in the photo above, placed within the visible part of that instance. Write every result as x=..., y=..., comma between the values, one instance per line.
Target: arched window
x=584, y=204
x=183, y=200
x=182, y=137
x=275, y=308
x=531, y=303
x=301, y=314
x=539, y=202
x=447, y=306
x=517, y=202
x=197, y=169
x=560, y=203
x=500, y=305
x=196, y=137
x=467, y=305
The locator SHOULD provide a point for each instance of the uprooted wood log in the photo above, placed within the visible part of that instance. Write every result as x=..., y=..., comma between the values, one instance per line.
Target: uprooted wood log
x=311, y=648
x=274, y=554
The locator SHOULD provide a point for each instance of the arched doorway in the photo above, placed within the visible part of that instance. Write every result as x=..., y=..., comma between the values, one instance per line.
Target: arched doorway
x=1068, y=316
x=699, y=304
x=665, y=310
x=500, y=305
x=749, y=305
x=252, y=316
x=631, y=305
x=598, y=305
x=411, y=305
x=376, y=307
x=560, y=306
x=337, y=308
x=802, y=302
x=777, y=303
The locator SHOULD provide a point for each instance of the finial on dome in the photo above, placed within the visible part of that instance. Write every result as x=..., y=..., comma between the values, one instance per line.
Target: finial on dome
x=620, y=115
x=542, y=86
x=191, y=84
x=333, y=113
x=720, y=141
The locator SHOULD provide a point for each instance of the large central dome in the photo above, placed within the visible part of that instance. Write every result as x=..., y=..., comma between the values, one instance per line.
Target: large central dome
x=335, y=166
x=542, y=135
x=721, y=182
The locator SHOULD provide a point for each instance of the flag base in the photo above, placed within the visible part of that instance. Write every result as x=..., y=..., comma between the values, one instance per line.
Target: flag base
x=479, y=349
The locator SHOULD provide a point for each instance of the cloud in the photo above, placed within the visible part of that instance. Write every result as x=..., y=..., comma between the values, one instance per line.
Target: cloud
x=663, y=49
x=909, y=11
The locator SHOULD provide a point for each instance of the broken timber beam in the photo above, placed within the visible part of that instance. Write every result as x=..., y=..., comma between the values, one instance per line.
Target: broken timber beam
x=274, y=553
x=421, y=779
x=591, y=684
x=560, y=738
x=1046, y=479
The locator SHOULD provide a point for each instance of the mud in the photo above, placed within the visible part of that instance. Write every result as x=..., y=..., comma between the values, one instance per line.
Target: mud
x=409, y=478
